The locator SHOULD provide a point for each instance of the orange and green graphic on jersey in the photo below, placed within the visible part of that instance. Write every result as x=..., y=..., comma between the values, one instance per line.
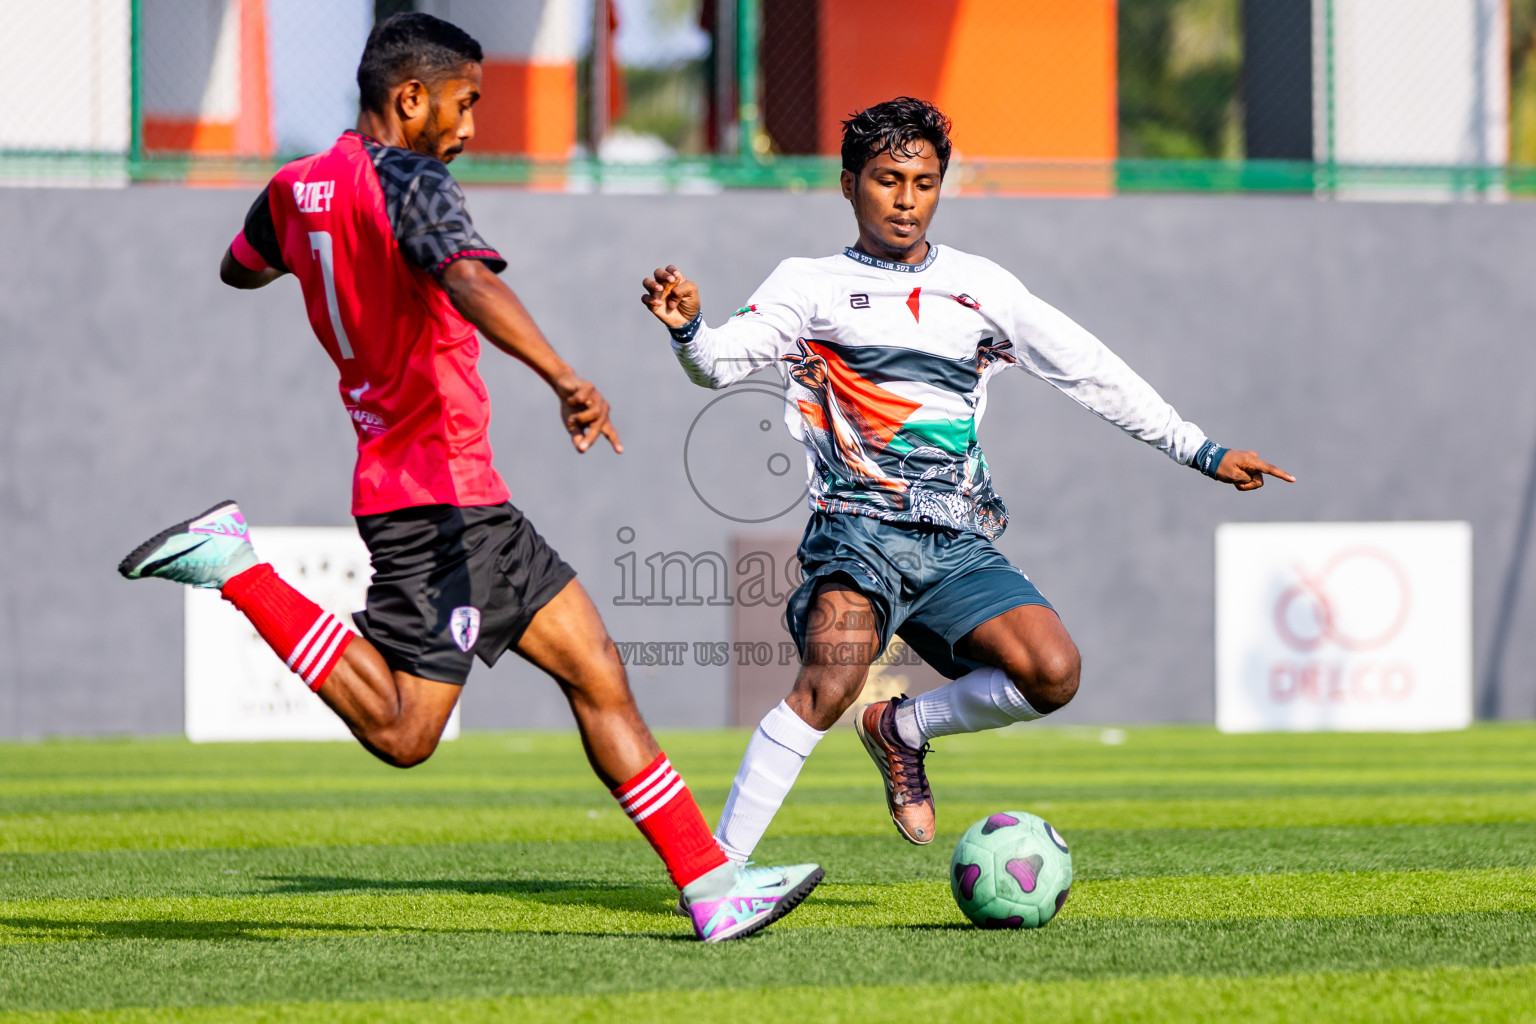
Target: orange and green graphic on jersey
x=852, y=419
x=743, y=311
x=866, y=432
x=894, y=431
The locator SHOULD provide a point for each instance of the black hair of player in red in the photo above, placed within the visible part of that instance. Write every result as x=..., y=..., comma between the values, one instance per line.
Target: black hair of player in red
x=411, y=45
x=897, y=125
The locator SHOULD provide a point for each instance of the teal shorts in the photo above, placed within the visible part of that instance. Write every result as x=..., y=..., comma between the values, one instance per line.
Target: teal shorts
x=928, y=585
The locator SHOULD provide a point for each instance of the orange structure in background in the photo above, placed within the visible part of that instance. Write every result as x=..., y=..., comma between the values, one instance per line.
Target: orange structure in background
x=235, y=116
x=188, y=135
x=208, y=88
x=253, y=126
x=1021, y=79
x=526, y=107
x=528, y=78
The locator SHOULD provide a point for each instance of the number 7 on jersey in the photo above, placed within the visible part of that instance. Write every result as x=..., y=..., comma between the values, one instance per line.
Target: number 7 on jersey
x=321, y=246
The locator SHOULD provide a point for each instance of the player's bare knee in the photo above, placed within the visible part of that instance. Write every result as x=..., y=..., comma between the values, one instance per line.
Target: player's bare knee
x=407, y=750
x=1057, y=672
x=1047, y=678
x=404, y=743
x=406, y=759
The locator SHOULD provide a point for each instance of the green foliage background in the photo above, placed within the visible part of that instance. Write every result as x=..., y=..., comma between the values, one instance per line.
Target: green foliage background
x=1522, y=81
x=1181, y=64
x=1180, y=79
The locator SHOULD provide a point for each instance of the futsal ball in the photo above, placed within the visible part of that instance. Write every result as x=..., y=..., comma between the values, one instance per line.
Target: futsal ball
x=1011, y=870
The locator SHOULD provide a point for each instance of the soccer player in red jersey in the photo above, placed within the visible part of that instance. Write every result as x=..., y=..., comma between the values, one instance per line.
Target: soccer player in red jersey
x=397, y=281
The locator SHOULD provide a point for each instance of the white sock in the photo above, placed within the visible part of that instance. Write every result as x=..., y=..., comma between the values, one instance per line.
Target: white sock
x=769, y=768
x=983, y=699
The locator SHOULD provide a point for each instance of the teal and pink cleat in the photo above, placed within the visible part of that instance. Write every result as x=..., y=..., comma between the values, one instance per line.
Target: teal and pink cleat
x=759, y=897
x=205, y=551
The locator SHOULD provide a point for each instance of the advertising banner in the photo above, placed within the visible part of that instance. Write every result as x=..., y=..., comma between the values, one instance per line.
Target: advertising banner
x=1346, y=626
x=236, y=689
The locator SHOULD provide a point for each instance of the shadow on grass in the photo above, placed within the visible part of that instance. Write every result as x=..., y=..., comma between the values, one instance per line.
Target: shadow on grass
x=52, y=930
x=650, y=901
x=613, y=896
x=206, y=931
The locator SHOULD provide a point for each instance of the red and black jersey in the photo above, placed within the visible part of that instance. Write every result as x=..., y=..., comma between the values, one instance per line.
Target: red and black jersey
x=367, y=229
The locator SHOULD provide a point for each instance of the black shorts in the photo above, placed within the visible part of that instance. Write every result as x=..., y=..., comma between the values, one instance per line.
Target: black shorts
x=451, y=583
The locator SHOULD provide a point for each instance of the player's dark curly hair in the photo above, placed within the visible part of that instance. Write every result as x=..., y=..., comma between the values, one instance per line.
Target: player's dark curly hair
x=898, y=125
x=411, y=45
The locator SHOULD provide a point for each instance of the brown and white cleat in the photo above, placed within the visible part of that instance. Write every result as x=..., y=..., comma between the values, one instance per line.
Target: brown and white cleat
x=906, y=783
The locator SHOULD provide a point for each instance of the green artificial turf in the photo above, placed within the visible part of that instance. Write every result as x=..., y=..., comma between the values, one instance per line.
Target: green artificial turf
x=1338, y=877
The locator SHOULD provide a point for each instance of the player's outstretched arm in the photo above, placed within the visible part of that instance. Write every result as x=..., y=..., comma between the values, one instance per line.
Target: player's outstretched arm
x=1245, y=470
x=1060, y=351
x=671, y=297
x=486, y=301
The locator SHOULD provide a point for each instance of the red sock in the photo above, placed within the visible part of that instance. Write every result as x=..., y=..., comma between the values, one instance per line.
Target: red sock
x=308, y=638
x=658, y=802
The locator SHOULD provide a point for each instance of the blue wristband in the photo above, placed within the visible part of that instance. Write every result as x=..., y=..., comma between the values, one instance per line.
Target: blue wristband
x=684, y=334
x=1209, y=457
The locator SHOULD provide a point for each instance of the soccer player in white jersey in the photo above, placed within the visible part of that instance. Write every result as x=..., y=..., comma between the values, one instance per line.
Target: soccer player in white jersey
x=886, y=350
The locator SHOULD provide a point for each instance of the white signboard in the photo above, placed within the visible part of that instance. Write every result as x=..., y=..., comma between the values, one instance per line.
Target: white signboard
x=1348, y=626
x=1411, y=81
x=236, y=688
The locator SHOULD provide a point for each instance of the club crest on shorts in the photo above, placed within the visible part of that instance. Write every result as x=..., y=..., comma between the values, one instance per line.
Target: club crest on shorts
x=464, y=626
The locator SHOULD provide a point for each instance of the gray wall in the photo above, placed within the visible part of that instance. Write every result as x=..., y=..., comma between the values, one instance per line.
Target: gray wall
x=1381, y=352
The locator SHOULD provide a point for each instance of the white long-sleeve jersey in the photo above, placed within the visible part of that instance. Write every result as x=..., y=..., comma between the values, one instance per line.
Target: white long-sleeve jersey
x=885, y=367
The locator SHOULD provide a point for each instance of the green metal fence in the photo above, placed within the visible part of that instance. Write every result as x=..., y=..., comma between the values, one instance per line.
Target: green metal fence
x=1270, y=96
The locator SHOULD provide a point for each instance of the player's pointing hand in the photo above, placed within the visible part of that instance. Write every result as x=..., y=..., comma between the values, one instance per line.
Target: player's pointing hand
x=1246, y=470
x=584, y=411
x=671, y=297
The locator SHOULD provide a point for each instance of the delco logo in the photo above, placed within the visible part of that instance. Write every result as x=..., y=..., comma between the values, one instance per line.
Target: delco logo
x=1359, y=601
x=313, y=196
